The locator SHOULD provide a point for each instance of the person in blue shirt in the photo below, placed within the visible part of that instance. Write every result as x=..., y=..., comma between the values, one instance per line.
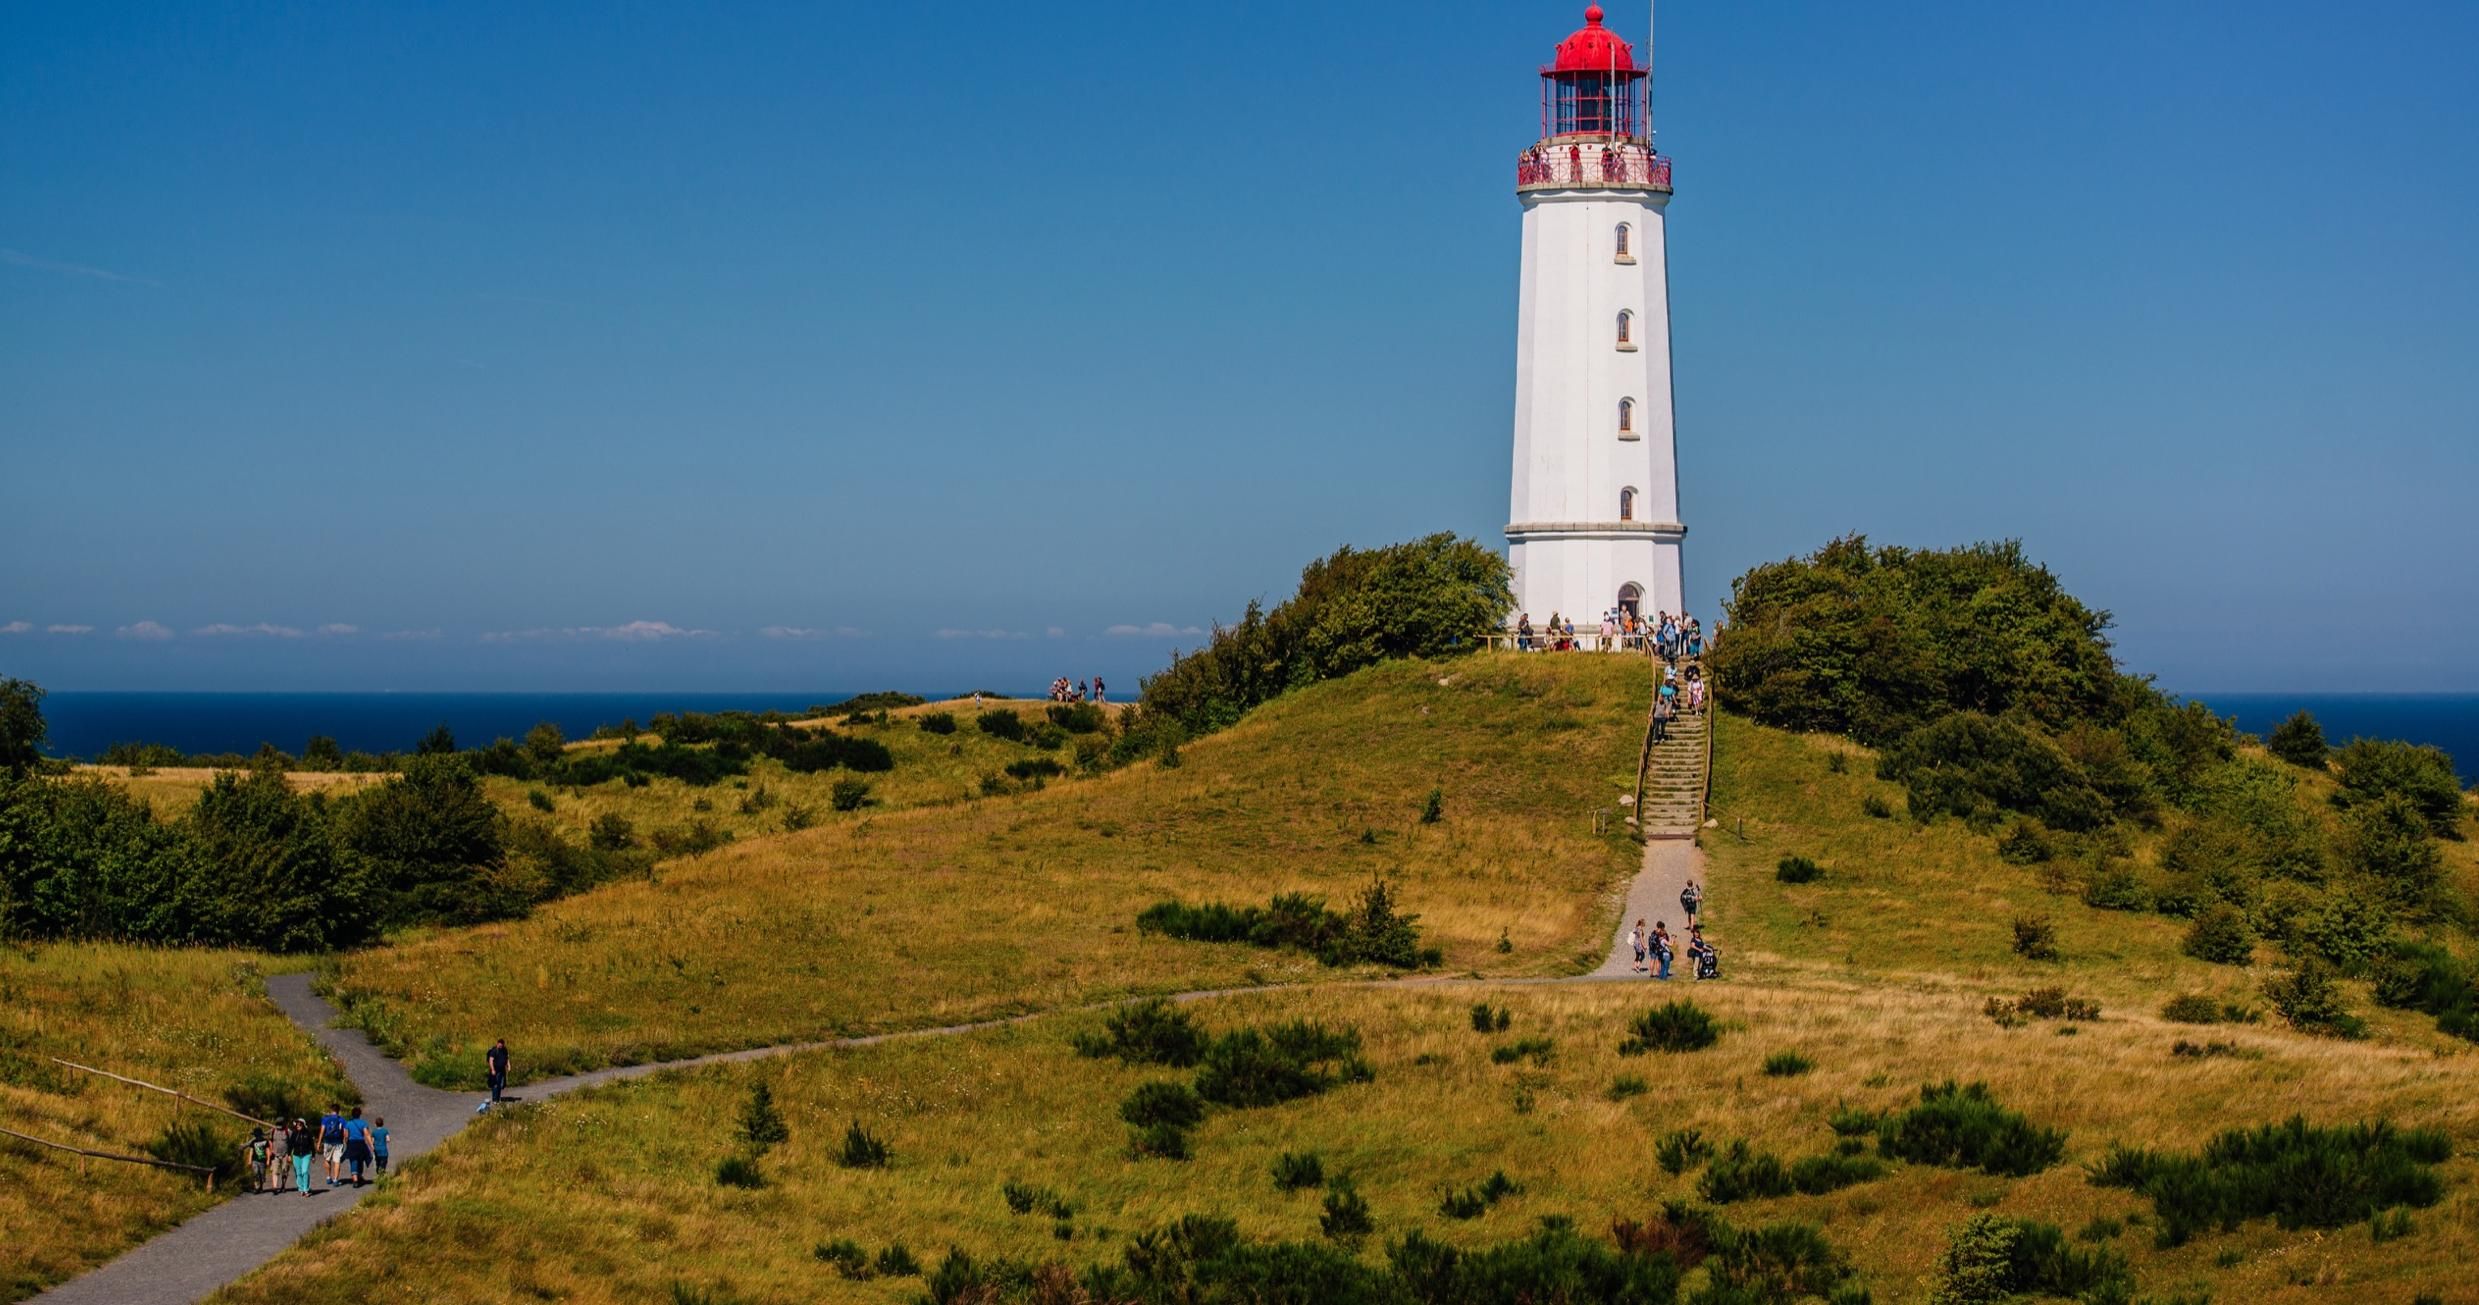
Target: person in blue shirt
x=378, y=1144
x=357, y=1144
x=331, y=1143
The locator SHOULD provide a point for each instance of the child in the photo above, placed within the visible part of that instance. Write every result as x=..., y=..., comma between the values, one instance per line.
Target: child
x=378, y=1144
x=1635, y=943
x=256, y=1154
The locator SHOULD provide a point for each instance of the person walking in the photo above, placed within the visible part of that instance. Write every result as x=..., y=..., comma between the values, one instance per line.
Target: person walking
x=1691, y=900
x=495, y=1066
x=356, y=1145
x=302, y=1144
x=1097, y=689
x=1523, y=632
x=331, y=1143
x=1662, y=712
x=277, y=1172
x=1635, y=943
x=378, y=1144
x=255, y=1155
x=1661, y=948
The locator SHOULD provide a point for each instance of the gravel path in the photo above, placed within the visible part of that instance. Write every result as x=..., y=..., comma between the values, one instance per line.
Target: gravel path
x=187, y=1263
x=1668, y=865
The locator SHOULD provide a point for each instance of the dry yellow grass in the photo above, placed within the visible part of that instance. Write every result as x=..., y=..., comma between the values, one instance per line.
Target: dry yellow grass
x=194, y=1021
x=172, y=790
x=948, y=914
x=610, y=1196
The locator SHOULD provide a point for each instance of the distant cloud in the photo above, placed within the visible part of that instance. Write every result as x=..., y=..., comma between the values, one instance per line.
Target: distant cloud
x=631, y=632
x=981, y=634
x=261, y=629
x=804, y=632
x=1156, y=630
x=431, y=633
x=146, y=630
x=68, y=629
x=20, y=258
x=338, y=630
x=1055, y=632
x=17, y=627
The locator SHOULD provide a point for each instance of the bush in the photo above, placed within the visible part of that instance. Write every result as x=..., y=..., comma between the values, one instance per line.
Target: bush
x=1028, y=769
x=1798, y=869
x=2427, y=978
x=2222, y=936
x=611, y=832
x=1078, y=717
x=2372, y=769
x=1991, y=1259
x=2386, y=840
x=850, y=794
x=1681, y=1150
x=1149, y=1032
x=1963, y=1127
x=2296, y=1174
x=2195, y=1008
x=936, y=722
x=1175, y=1104
x=798, y=816
x=695, y=838
x=1294, y=1171
x=1246, y=1067
x=1375, y=931
x=1876, y=808
x=1740, y=1173
x=1001, y=723
x=1787, y=1064
x=862, y=1149
x=1162, y=1141
x=1819, y=1174
x=1474, y=1201
x=1433, y=807
x=1027, y=1198
x=1488, y=1019
x=1671, y=1027
x=2035, y=938
x=896, y=1261
x=1853, y=1121
x=2310, y=1000
x=262, y=1095
x=1537, y=1050
x=1346, y=1217
x=847, y=1257
x=2024, y=844
x=1778, y=1262
x=1627, y=1085
x=761, y=1125
x=2114, y=886
x=739, y=1171
x=1979, y=767
x=2300, y=742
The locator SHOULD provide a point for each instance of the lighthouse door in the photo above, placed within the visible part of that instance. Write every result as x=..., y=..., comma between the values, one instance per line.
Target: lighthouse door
x=1631, y=599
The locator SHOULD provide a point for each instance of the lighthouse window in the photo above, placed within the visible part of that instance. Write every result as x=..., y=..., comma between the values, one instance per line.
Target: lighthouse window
x=1626, y=247
x=1626, y=504
x=1626, y=330
x=1626, y=416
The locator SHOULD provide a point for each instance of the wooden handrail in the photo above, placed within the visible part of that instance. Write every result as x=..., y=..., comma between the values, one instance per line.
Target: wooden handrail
x=152, y=1087
x=208, y=1170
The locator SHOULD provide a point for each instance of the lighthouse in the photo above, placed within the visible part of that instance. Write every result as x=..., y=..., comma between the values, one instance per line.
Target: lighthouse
x=1593, y=523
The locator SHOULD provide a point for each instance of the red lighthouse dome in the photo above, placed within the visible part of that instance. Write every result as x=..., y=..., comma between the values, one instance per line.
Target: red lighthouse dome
x=1594, y=48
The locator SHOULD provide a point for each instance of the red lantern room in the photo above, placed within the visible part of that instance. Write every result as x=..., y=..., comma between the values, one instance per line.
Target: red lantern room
x=1593, y=88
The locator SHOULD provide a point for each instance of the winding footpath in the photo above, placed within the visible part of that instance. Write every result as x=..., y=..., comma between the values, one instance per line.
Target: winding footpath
x=191, y=1261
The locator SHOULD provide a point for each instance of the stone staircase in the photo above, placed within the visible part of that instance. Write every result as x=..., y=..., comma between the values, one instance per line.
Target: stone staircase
x=1674, y=786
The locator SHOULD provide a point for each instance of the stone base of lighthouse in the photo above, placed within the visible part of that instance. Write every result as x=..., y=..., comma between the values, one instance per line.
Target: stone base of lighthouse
x=1580, y=570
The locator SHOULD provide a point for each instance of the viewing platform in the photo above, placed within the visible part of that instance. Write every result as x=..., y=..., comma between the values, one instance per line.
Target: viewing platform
x=1625, y=166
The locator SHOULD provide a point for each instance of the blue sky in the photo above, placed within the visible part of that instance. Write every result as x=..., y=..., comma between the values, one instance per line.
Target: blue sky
x=580, y=346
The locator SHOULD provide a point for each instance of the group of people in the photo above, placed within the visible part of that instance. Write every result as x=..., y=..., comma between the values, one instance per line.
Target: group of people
x=1682, y=692
x=1654, y=948
x=1673, y=637
x=1063, y=690
x=350, y=1148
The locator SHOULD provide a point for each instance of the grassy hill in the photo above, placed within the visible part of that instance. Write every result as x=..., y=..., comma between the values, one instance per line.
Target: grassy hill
x=1846, y=996
x=946, y=914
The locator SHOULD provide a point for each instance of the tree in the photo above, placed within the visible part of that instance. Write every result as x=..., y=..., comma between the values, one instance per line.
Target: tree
x=21, y=725
x=433, y=844
x=2388, y=841
x=545, y=745
x=321, y=753
x=269, y=872
x=2299, y=741
x=2372, y=768
x=440, y=742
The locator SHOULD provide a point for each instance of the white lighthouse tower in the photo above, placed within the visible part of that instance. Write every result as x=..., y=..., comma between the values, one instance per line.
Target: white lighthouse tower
x=1594, y=521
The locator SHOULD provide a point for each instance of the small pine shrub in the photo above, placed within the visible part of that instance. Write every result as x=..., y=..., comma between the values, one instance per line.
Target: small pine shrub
x=1175, y=1104
x=1682, y=1150
x=2310, y=999
x=2299, y=741
x=2294, y=1173
x=2035, y=938
x=611, y=832
x=739, y=1171
x=2196, y=1008
x=1029, y=769
x=1625, y=1086
x=1963, y=1127
x=1149, y=1032
x=850, y=794
x=1474, y=1201
x=798, y=816
x=897, y=1261
x=1346, y=1217
x=1487, y=1018
x=2222, y=936
x=1851, y=1121
x=1876, y=808
x=1028, y=1198
x=1161, y=1141
x=761, y=1125
x=1537, y=1050
x=539, y=800
x=937, y=722
x=1671, y=1027
x=862, y=1149
x=1836, y=763
x=1787, y=1064
x=1798, y=869
x=1819, y=1174
x=1433, y=807
x=846, y=1257
x=1742, y=1173
x=2024, y=844
x=1001, y=723
x=1247, y=1067
x=2102, y=1228
x=1297, y=1171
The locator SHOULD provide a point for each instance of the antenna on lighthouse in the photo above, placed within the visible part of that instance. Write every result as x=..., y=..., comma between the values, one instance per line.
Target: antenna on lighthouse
x=1648, y=70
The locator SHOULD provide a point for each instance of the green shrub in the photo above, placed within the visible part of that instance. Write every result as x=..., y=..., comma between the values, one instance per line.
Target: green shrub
x=1433, y=807
x=896, y=1261
x=2222, y=936
x=1029, y=769
x=1346, y=1217
x=2299, y=741
x=1819, y=1174
x=2195, y=1008
x=1963, y=1127
x=761, y=1125
x=862, y=1149
x=1029, y=1198
x=1247, y=1067
x=2024, y=844
x=1876, y=808
x=1077, y=717
x=847, y=1257
x=1798, y=869
x=1294, y=1171
x=1778, y=1262
x=1001, y=723
x=1671, y=1027
x=1045, y=736
x=798, y=816
x=739, y=1171
x=259, y=1094
x=1150, y=1032
x=936, y=722
x=1979, y=767
x=2035, y=938
x=1474, y=1201
x=695, y=838
x=2372, y=769
x=539, y=800
x=2102, y=1228
x=850, y=794
x=1787, y=1064
x=1627, y=1085
x=2297, y=1174
x=1162, y=1141
x=1852, y=1121
x=1992, y=1259
x=2386, y=839
x=2389, y=1225
x=1741, y=1173
x=1537, y=1050
x=194, y=1142
x=1374, y=932
x=1489, y=1019
x=2114, y=886
x=2308, y=997
x=611, y=832
x=1175, y=1104
x=1681, y=1150
x=2427, y=978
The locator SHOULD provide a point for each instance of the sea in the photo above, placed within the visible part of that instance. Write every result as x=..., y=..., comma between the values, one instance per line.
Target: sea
x=84, y=724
